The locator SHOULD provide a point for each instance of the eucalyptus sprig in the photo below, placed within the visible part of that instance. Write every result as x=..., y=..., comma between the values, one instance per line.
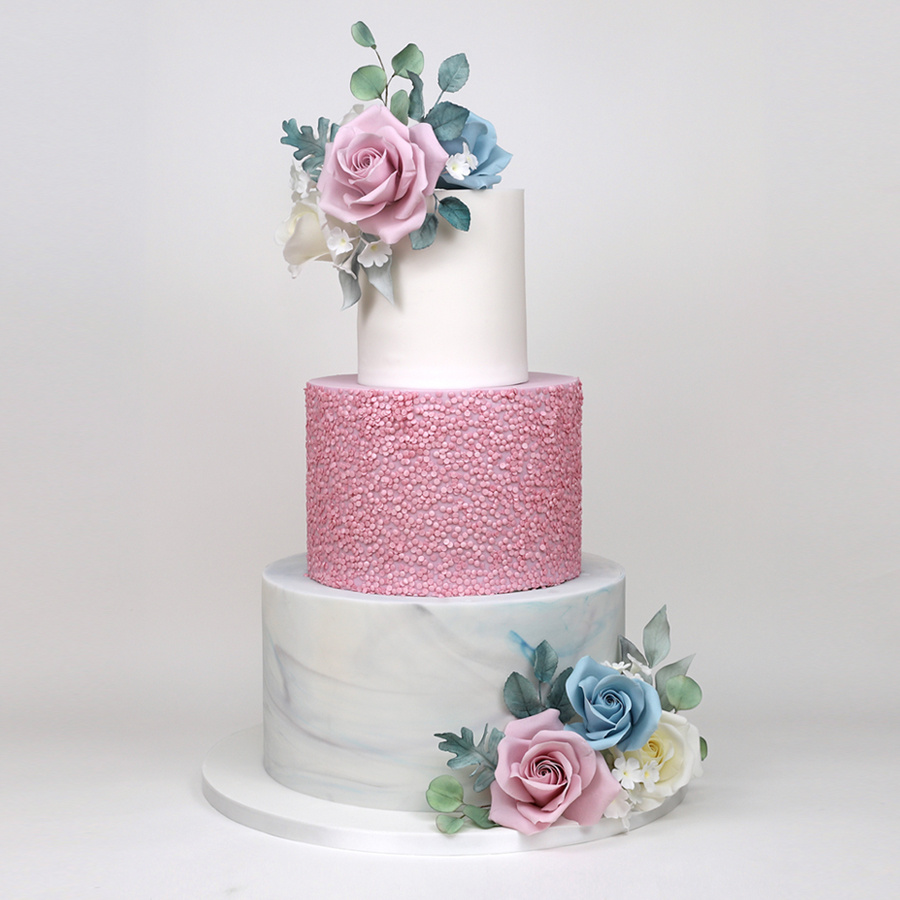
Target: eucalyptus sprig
x=372, y=82
x=445, y=796
x=676, y=689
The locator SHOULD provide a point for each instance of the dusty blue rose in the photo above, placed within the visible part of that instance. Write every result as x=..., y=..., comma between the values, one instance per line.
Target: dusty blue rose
x=617, y=710
x=481, y=138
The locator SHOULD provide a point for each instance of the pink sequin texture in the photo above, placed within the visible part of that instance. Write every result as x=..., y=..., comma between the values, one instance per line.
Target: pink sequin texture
x=443, y=493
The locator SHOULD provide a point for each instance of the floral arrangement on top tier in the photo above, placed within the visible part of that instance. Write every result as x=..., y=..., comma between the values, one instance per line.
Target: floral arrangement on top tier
x=593, y=741
x=364, y=184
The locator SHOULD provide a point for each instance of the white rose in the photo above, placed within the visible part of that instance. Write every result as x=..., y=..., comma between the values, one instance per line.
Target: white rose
x=675, y=749
x=301, y=235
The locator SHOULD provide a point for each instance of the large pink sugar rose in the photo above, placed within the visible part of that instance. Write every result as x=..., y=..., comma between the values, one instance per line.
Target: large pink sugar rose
x=545, y=773
x=378, y=174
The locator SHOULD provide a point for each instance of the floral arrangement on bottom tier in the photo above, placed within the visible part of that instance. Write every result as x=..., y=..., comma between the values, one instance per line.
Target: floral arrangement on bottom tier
x=597, y=740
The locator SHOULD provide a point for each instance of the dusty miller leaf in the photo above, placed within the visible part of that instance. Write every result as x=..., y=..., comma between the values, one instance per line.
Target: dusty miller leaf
x=310, y=146
x=483, y=755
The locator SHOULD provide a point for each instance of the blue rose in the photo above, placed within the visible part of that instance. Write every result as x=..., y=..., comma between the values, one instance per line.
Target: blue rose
x=617, y=710
x=481, y=138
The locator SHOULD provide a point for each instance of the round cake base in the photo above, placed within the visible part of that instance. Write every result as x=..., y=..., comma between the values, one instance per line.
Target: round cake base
x=237, y=785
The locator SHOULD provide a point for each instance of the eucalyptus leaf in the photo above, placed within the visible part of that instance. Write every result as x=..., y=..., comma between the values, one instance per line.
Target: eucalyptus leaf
x=479, y=816
x=416, y=98
x=368, y=82
x=361, y=34
x=546, y=658
x=626, y=649
x=424, y=236
x=447, y=119
x=704, y=749
x=400, y=106
x=667, y=672
x=444, y=794
x=449, y=824
x=457, y=214
x=453, y=73
x=683, y=692
x=409, y=59
x=521, y=696
x=656, y=638
x=558, y=699
x=382, y=280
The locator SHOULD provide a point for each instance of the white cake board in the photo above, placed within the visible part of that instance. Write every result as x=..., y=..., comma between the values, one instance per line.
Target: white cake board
x=237, y=785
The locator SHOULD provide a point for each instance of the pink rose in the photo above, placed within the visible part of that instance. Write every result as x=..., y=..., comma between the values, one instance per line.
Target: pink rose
x=378, y=173
x=545, y=773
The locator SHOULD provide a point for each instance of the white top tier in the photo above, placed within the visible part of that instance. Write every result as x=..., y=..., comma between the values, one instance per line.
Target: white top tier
x=458, y=319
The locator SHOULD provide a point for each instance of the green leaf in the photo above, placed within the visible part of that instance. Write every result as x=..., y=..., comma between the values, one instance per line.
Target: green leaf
x=479, y=815
x=368, y=82
x=382, y=280
x=656, y=638
x=447, y=119
x=521, y=696
x=704, y=749
x=453, y=73
x=545, y=657
x=457, y=214
x=424, y=236
x=683, y=692
x=444, y=794
x=310, y=146
x=626, y=649
x=409, y=59
x=558, y=699
x=400, y=106
x=350, y=287
x=449, y=824
x=416, y=98
x=667, y=672
x=361, y=34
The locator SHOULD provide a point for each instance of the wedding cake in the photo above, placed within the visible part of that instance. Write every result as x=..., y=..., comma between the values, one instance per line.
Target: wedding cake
x=444, y=512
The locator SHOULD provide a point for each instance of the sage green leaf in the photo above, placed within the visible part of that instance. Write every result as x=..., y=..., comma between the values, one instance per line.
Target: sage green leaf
x=521, y=696
x=545, y=657
x=683, y=692
x=350, y=289
x=310, y=146
x=416, y=98
x=467, y=752
x=361, y=34
x=704, y=749
x=626, y=649
x=453, y=73
x=449, y=824
x=479, y=815
x=400, y=106
x=382, y=280
x=444, y=794
x=484, y=780
x=447, y=119
x=424, y=236
x=656, y=638
x=368, y=82
x=558, y=699
x=409, y=59
x=667, y=672
x=457, y=214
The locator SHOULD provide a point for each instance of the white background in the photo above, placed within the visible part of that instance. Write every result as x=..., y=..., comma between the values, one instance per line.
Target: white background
x=712, y=199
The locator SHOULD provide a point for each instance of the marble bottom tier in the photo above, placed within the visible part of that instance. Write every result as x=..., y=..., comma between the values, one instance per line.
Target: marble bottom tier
x=356, y=685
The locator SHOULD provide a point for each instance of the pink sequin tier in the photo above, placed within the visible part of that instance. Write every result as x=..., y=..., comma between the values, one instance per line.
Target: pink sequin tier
x=443, y=493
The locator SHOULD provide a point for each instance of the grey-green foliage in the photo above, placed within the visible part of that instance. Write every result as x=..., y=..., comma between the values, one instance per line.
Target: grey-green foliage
x=482, y=757
x=523, y=698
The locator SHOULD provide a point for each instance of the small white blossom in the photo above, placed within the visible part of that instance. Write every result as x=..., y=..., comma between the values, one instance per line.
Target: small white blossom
x=639, y=670
x=301, y=183
x=375, y=254
x=627, y=771
x=650, y=771
x=462, y=164
x=338, y=241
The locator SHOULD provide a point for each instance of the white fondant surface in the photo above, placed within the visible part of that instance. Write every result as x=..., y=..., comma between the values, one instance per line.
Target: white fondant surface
x=458, y=318
x=236, y=784
x=356, y=685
